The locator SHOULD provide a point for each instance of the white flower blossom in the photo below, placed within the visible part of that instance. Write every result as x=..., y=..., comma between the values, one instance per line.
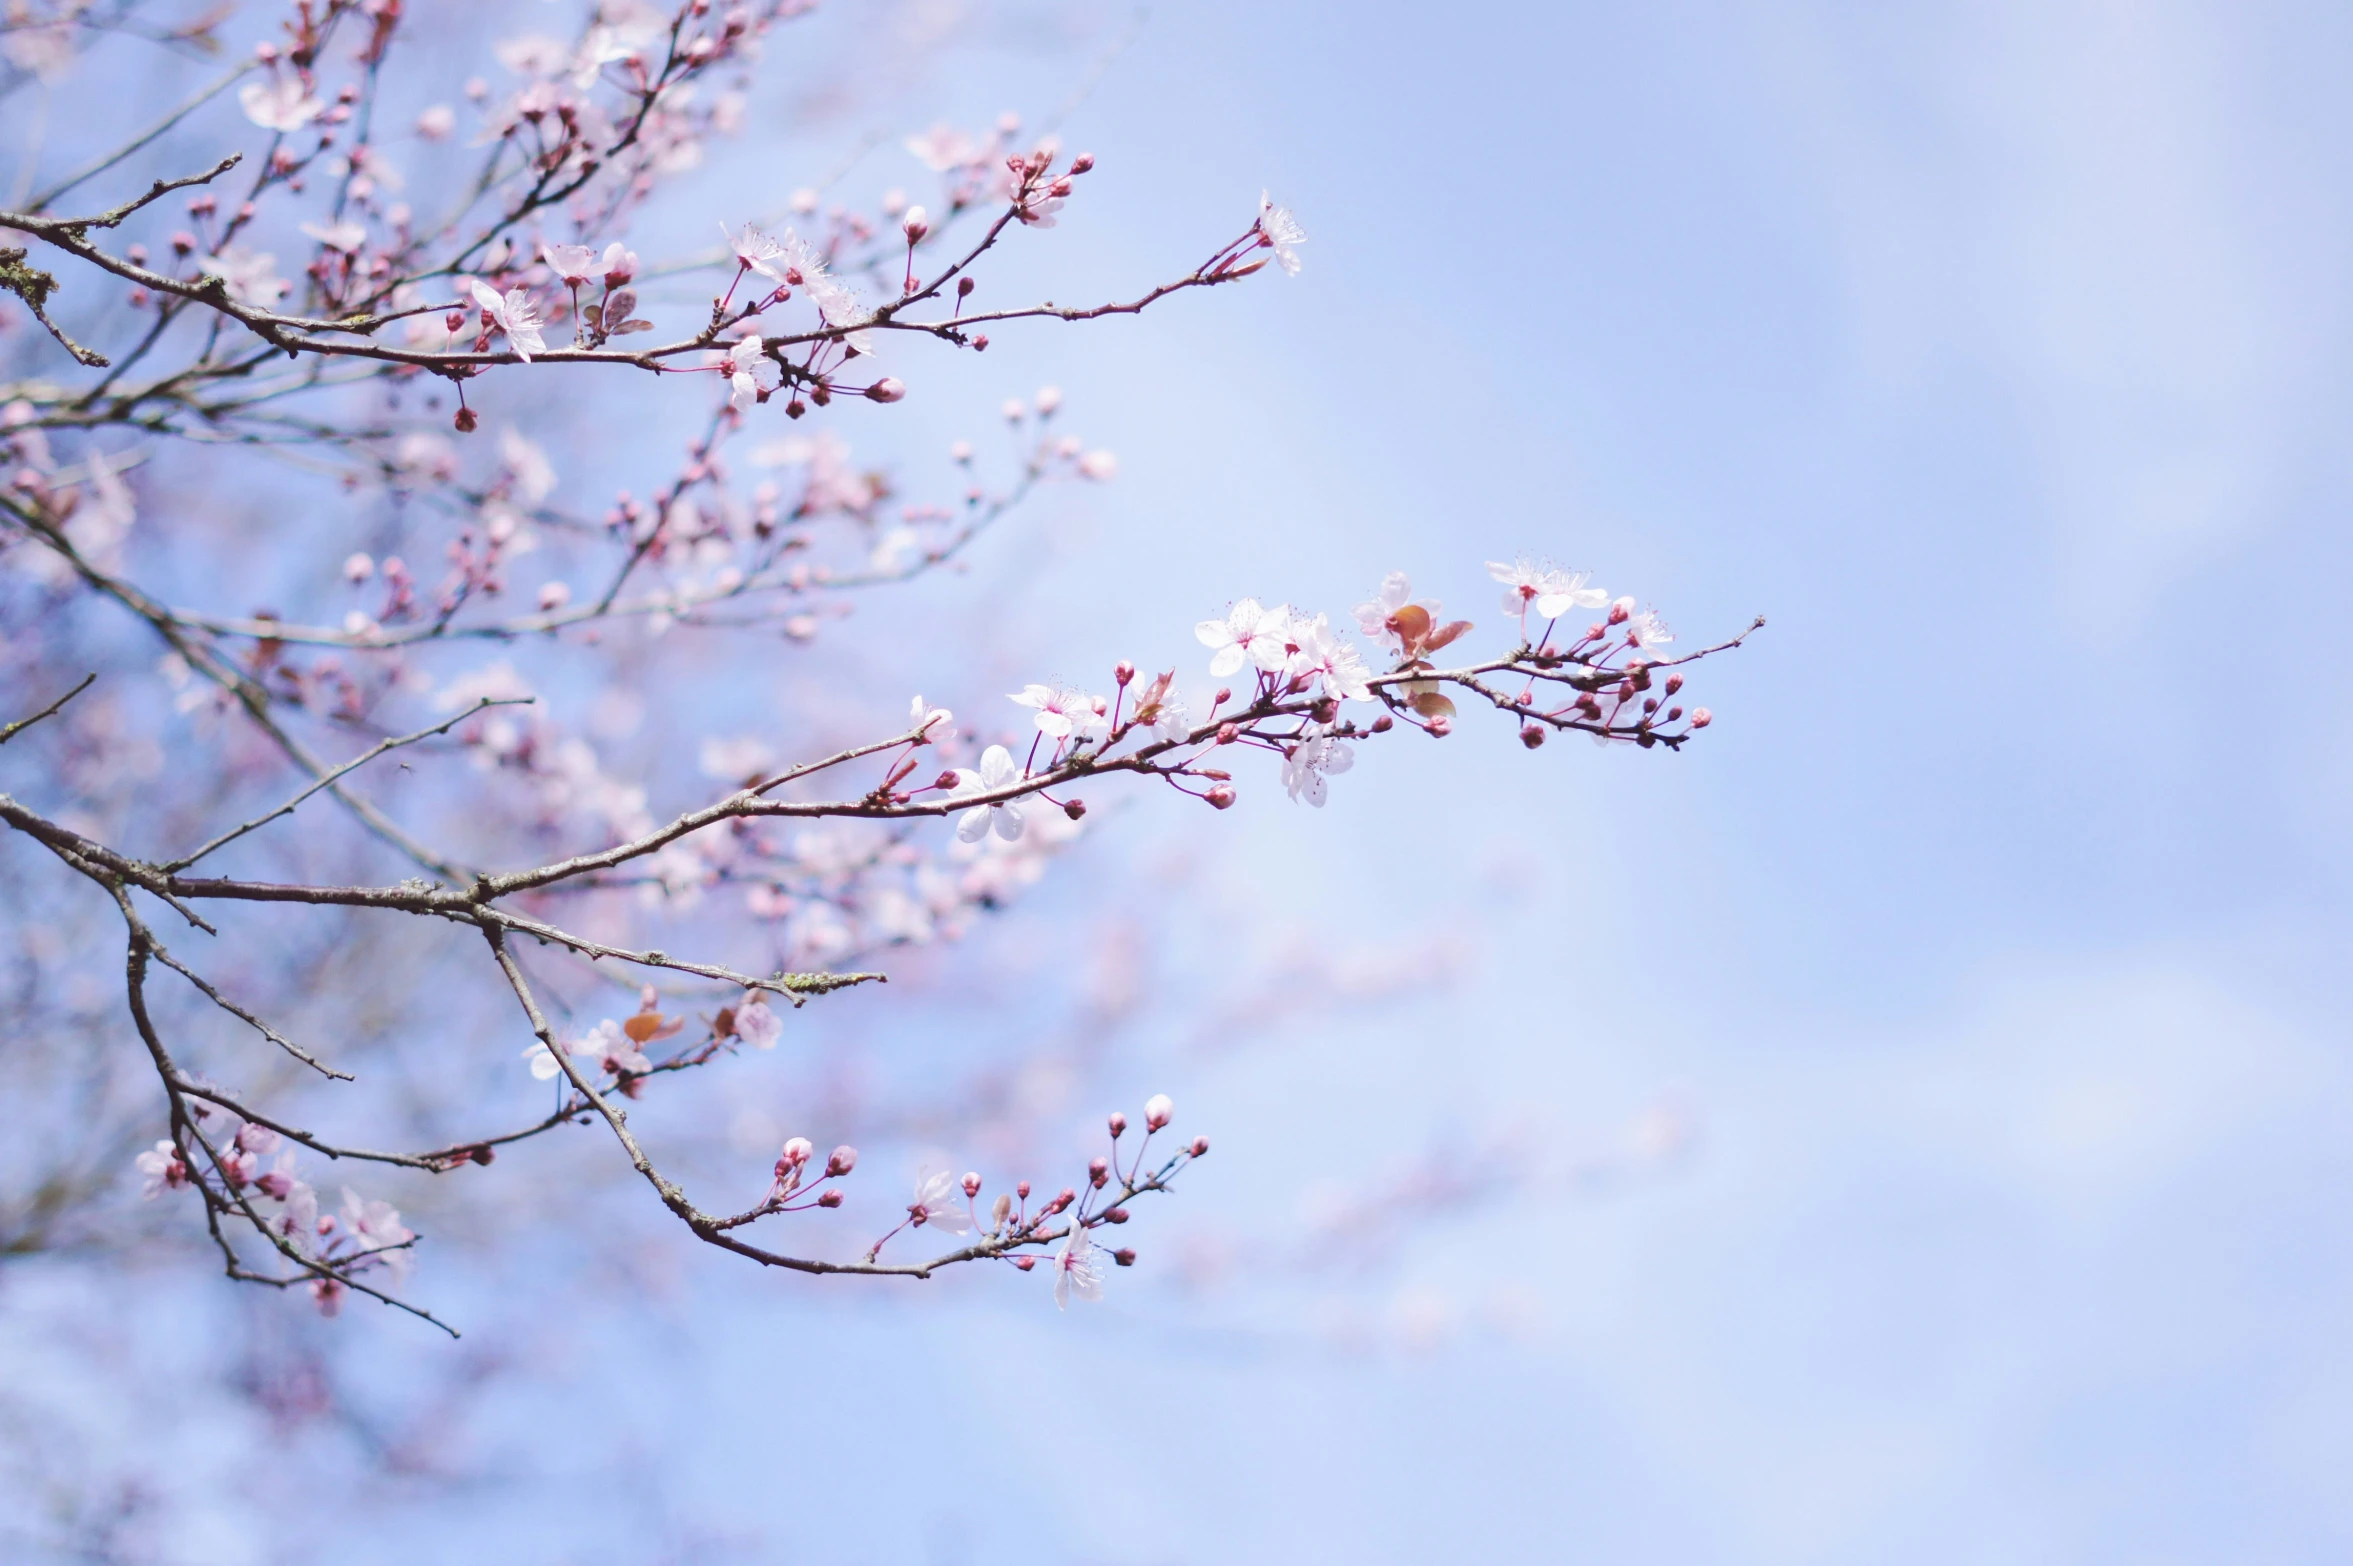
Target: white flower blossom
x=281, y=104
x=939, y=1202
x=514, y=315
x=936, y=724
x=1280, y=230
x=1062, y=713
x=250, y=275
x=751, y=374
x=997, y=770
x=1075, y=1271
x=376, y=1226
x=1551, y=593
x=1248, y=633
x=164, y=1169
x=1340, y=666
x=1316, y=757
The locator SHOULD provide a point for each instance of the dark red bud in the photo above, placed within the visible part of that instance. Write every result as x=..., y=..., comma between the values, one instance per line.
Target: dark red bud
x=466, y=421
x=1075, y=809
x=1532, y=736
x=831, y=1198
x=1116, y=1215
x=1383, y=724
x=483, y=1155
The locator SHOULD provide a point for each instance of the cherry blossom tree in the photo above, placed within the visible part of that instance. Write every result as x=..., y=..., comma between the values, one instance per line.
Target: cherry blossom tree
x=284, y=338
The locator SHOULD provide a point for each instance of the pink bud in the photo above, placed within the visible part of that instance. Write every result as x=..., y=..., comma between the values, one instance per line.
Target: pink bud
x=1075, y=809
x=1227, y=733
x=1065, y=1198
x=1021, y=1189
x=842, y=1161
x=466, y=421
x=1200, y=1146
x=1025, y=1263
x=972, y=1185
x=1621, y=611
x=1083, y=162
x=1701, y=717
x=1383, y=724
x=1124, y=1256
x=1118, y=1125
x=889, y=389
x=1159, y=1110
x=1098, y=1172
x=1223, y=696
x=980, y=343
x=1221, y=796
x=830, y=1198
x=964, y=287
x=1674, y=683
x=1532, y=736
x=1116, y=1215
x=1441, y=726
x=799, y=1151
x=915, y=224
x=1123, y=671
x=1002, y=1210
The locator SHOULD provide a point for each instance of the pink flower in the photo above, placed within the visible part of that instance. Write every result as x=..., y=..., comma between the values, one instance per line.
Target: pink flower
x=1339, y=666
x=757, y=1024
x=755, y=250
x=250, y=276
x=513, y=315
x=327, y=1294
x=1075, y=1270
x=376, y=1227
x=164, y=1168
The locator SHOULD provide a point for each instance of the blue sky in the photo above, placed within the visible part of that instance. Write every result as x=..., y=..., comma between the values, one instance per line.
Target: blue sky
x=1997, y=353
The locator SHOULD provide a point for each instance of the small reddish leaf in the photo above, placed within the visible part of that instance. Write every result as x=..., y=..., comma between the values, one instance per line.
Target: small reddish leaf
x=643, y=1026
x=1445, y=634
x=1412, y=622
x=1430, y=704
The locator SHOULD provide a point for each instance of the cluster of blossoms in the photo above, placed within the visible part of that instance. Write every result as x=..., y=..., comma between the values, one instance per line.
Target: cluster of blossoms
x=278, y=1202
x=1012, y=1231
x=340, y=364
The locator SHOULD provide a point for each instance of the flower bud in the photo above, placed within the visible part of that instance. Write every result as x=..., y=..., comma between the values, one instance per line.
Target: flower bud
x=915, y=224
x=1116, y=1215
x=1123, y=671
x=842, y=1161
x=1325, y=711
x=1701, y=717
x=1075, y=809
x=1002, y=1210
x=1441, y=726
x=1227, y=733
x=1383, y=724
x=972, y=1185
x=964, y=287
x=1533, y=736
x=1124, y=1256
x=1063, y=1200
x=1021, y=1189
x=1621, y=611
x=830, y=1198
x=465, y=421
x=1118, y=1125
x=358, y=568
x=1674, y=683
x=1159, y=1110
x=795, y=408
x=483, y=1155
x=1200, y=1146
x=889, y=389
x=980, y=343
x=1224, y=695
x=1025, y=1263
x=1098, y=1172
x=1083, y=162
x=1221, y=796
x=799, y=1151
